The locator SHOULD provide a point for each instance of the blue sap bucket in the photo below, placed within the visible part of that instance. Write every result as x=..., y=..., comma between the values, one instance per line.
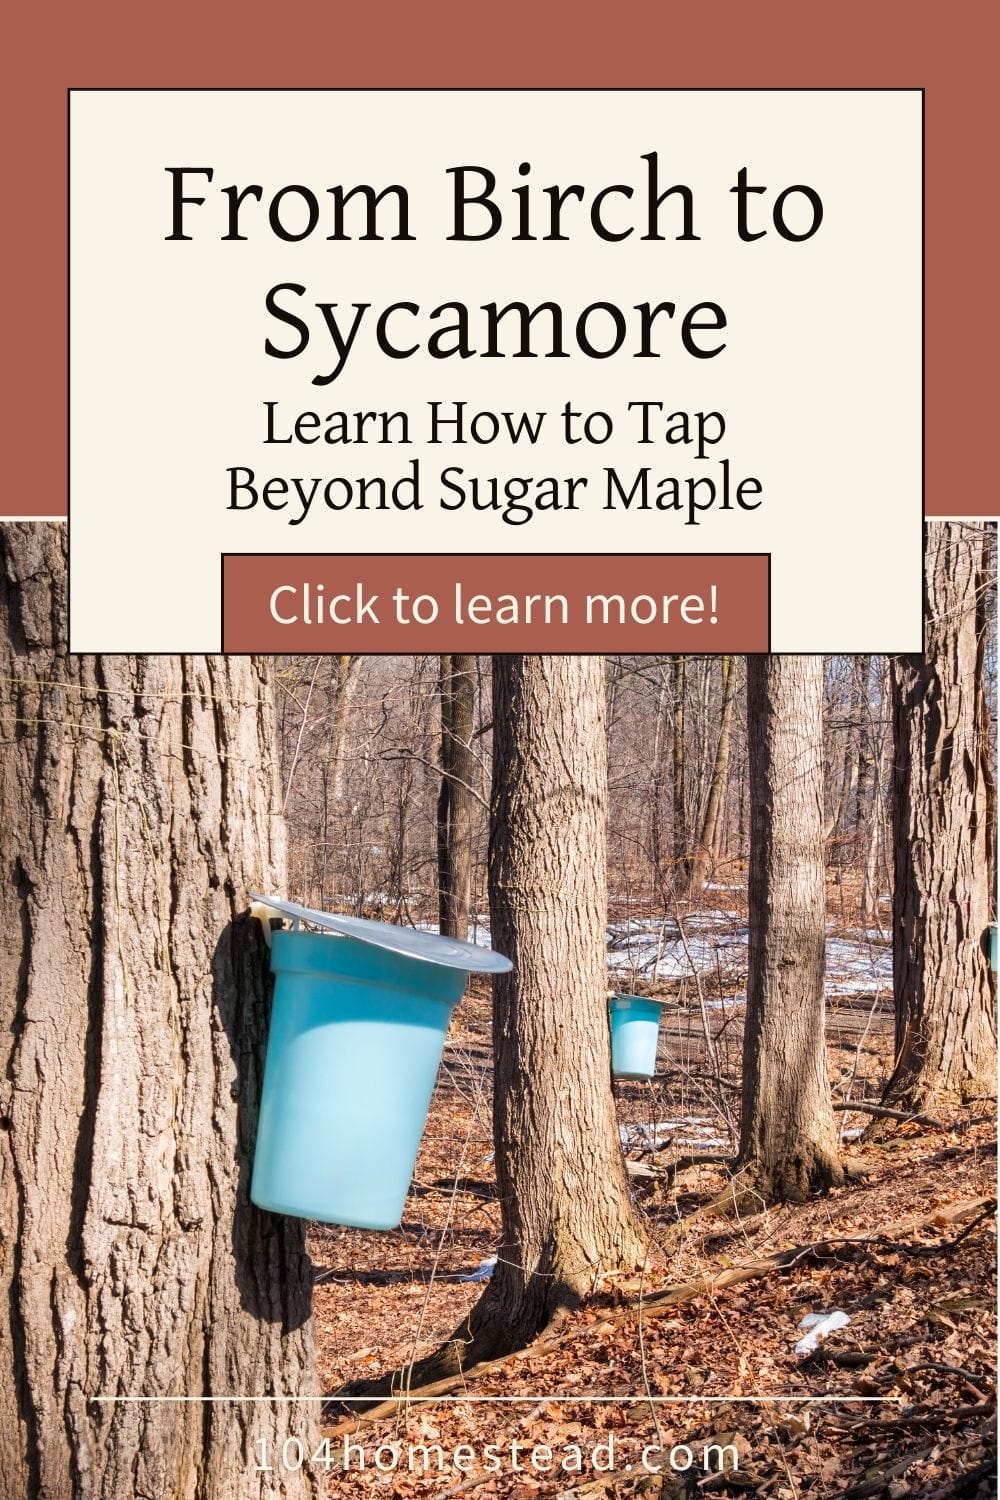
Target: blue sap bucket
x=993, y=946
x=353, y=1050
x=635, y=1031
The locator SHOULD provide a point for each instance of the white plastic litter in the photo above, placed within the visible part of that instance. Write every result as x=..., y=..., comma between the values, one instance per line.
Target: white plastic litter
x=483, y=1271
x=819, y=1325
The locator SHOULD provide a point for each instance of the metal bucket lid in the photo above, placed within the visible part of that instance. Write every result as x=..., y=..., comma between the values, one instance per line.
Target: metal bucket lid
x=430, y=947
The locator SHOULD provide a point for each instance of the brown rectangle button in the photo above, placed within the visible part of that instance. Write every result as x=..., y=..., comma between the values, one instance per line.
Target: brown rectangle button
x=379, y=603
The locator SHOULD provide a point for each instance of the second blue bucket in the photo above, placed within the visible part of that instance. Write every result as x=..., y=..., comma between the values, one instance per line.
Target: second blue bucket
x=355, y=1040
x=635, y=1032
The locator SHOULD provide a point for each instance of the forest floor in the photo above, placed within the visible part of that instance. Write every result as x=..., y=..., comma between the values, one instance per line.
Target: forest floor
x=897, y=1401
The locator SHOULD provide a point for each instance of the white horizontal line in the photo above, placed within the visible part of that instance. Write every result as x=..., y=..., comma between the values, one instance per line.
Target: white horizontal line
x=518, y=1400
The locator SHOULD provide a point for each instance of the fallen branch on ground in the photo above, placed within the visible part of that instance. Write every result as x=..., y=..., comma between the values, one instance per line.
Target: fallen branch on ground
x=961, y=1482
x=929, y=1416
x=882, y=1113
x=969, y=1375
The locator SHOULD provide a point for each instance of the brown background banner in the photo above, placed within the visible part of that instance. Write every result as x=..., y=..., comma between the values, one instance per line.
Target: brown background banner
x=950, y=52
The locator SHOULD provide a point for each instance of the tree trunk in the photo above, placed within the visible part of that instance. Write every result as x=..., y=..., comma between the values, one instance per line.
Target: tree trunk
x=707, y=851
x=344, y=675
x=850, y=770
x=680, y=812
x=456, y=798
x=944, y=988
x=566, y=1207
x=862, y=794
x=138, y=798
x=875, y=823
x=788, y=1138
x=657, y=776
x=986, y=604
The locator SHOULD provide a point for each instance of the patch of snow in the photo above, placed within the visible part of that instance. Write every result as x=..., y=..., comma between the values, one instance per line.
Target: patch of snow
x=860, y=963
x=857, y=966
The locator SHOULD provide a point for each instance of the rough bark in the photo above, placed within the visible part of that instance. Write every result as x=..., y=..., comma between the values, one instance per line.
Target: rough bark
x=862, y=794
x=788, y=1137
x=877, y=876
x=657, y=777
x=566, y=1206
x=680, y=812
x=707, y=851
x=345, y=673
x=986, y=613
x=456, y=798
x=343, y=677
x=945, y=991
x=839, y=821
x=138, y=801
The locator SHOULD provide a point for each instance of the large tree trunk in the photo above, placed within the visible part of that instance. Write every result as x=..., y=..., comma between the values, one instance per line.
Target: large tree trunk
x=942, y=815
x=456, y=797
x=138, y=802
x=788, y=1139
x=566, y=1207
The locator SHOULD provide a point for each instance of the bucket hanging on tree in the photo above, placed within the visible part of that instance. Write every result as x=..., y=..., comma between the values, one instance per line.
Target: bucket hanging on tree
x=357, y=1028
